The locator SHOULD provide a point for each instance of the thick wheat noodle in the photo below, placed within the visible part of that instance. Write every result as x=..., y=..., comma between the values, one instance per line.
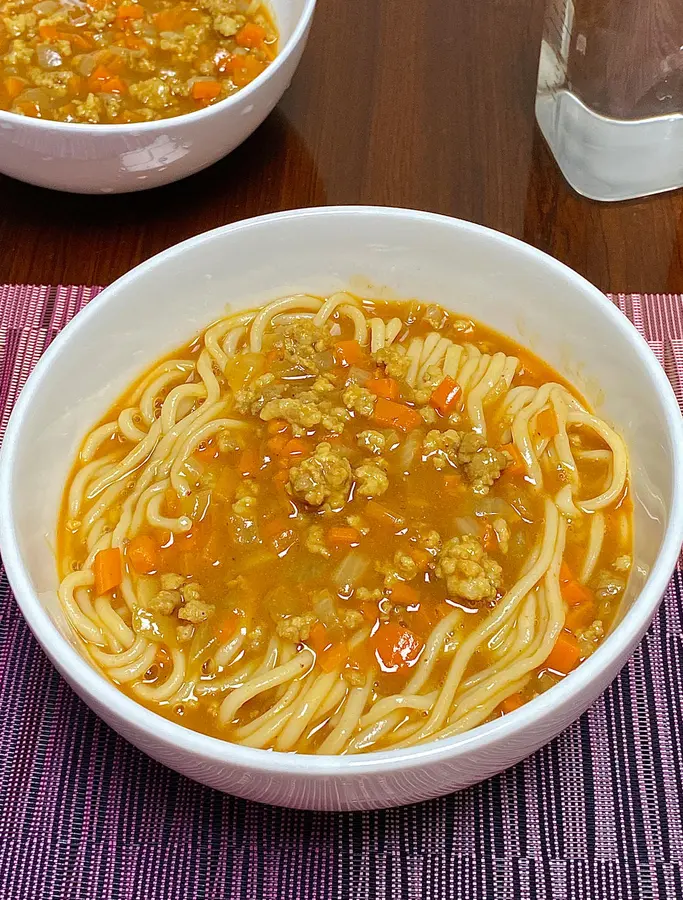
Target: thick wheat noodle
x=113, y=622
x=136, y=669
x=228, y=682
x=95, y=533
x=619, y=461
x=360, y=325
x=214, y=335
x=476, y=716
x=475, y=400
x=102, y=543
x=505, y=608
x=431, y=651
x=370, y=735
x=262, y=319
x=158, y=693
x=206, y=431
x=140, y=512
x=469, y=362
x=432, y=354
x=252, y=727
x=378, y=330
x=77, y=617
x=80, y=481
x=127, y=425
x=293, y=669
x=521, y=436
x=595, y=539
x=134, y=652
x=387, y=705
x=148, y=400
x=337, y=739
x=95, y=440
x=414, y=353
x=305, y=709
x=176, y=524
x=128, y=464
x=451, y=361
x=393, y=329
x=232, y=340
x=329, y=306
x=170, y=410
x=225, y=654
x=561, y=441
x=564, y=501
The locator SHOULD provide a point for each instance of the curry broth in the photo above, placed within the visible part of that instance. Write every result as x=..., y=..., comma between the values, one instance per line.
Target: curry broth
x=258, y=575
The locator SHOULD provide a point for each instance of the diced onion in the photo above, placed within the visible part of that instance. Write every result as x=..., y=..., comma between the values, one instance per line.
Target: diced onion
x=361, y=376
x=350, y=570
x=87, y=64
x=406, y=455
x=48, y=57
x=467, y=525
x=46, y=8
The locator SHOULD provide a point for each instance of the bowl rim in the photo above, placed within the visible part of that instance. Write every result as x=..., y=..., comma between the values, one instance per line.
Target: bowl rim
x=197, y=115
x=568, y=693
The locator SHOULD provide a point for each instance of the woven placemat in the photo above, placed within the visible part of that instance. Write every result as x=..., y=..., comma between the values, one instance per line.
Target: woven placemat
x=83, y=814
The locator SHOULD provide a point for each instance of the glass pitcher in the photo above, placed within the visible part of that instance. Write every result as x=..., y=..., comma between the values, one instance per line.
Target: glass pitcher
x=610, y=95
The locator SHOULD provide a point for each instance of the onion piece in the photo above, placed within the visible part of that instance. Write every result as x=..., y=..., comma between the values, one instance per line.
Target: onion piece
x=350, y=570
x=48, y=57
x=467, y=525
x=406, y=455
x=46, y=8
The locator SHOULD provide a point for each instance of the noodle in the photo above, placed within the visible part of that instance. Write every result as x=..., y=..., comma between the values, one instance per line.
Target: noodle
x=273, y=664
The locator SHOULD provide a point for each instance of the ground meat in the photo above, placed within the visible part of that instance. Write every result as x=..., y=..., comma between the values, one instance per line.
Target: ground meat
x=622, y=563
x=402, y=568
x=359, y=399
x=502, y=530
x=429, y=415
x=190, y=592
x=351, y=619
x=153, y=93
x=20, y=53
x=374, y=441
x=371, y=478
x=429, y=540
x=253, y=396
x=394, y=359
x=436, y=317
x=296, y=628
x=592, y=633
x=334, y=418
x=100, y=19
x=482, y=465
x=296, y=411
x=226, y=25
x=364, y=595
x=22, y=25
x=468, y=571
x=608, y=585
x=256, y=638
x=315, y=541
x=165, y=602
x=172, y=582
x=441, y=447
x=226, y=442
x=196, y=611
x=325, y=476
x=353, y=677
x=184, y=633
x=245, y=498
x=432, y=379
x=300, y=343
x=89, y=110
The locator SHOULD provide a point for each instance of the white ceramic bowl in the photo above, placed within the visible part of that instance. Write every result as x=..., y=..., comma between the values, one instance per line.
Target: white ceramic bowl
x=115, y=159
x=372, y=251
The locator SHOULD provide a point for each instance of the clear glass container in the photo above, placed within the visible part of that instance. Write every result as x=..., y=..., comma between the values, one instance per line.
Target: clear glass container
x=610, y=95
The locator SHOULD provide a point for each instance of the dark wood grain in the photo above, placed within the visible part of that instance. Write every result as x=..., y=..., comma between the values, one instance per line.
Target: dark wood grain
x=426, y=105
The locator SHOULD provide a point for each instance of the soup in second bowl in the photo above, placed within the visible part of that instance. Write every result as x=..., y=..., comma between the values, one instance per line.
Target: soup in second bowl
x=118, y=62
x=339, y=525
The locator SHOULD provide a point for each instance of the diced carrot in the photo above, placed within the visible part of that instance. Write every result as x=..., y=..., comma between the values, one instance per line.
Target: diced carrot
x=396, y=647
x=294, y=448
x=242, y=69
x=277, y=426
x=369, y=610
x=275, y=354
x=421, y=558
x=330, y=655
x=81, y=40
x=403, y=594
x=445, y=398
x=250, y=35
x=342, y=536
x=30, y=108
x=276, y=444
x=565, y=655
x=206, y=90
x=107, y=570
x=566, y=574
x=382, y=515
x=489, y=539
x=580, y=617
x=249, y=462
x=130, y=11
x=517, y=466
x=511, y=703
x=176, y=19
x=273, y=527
x=142, y=553
x=318, y=640
x=172, y=502
x=396, y=415
x=48, y=32
x=348, y=353
x=574, y=593
x=280, y=533
x=115, y=85
x=14, y=86
x=546, y=423
x=225, y=625
x=101, y=73
x=384, y=387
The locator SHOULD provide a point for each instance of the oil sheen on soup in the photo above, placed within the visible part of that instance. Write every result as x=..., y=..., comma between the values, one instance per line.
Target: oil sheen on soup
x=114, y=61
x=335, y=525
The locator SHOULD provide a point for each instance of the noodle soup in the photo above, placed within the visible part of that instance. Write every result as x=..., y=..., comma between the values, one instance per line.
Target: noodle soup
x=340, y=525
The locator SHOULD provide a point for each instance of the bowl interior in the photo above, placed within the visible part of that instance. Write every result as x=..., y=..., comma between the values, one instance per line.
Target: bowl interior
x=380, y=253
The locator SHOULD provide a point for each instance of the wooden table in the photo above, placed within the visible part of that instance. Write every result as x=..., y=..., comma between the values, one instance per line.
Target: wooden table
x=426, y=105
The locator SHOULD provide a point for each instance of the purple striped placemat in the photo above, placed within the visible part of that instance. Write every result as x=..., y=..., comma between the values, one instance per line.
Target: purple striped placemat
x=594, y=815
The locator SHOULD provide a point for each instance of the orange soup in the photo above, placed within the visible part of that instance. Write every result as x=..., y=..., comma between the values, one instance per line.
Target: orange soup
x=98, y=61
x=339, y=525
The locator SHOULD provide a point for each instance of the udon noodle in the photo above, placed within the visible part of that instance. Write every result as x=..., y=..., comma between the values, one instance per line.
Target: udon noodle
x=336, y=525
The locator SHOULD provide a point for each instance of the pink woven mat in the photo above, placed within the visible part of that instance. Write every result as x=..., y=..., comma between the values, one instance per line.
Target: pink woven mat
x=594, y=815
